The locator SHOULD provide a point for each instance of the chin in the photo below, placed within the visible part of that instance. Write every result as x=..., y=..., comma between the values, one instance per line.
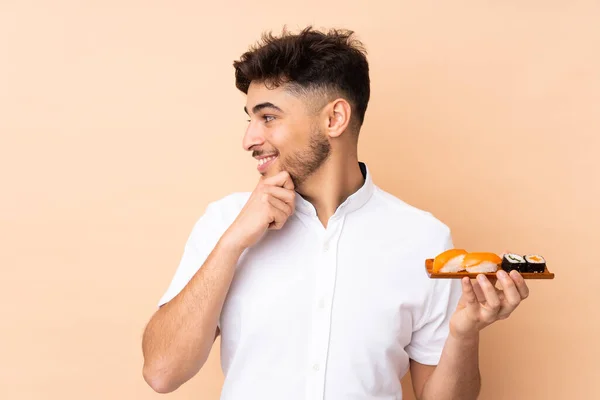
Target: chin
x=271, y=171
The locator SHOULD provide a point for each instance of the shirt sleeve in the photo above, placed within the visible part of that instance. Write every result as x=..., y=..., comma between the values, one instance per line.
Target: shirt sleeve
x=430, y=334
x=204, y=236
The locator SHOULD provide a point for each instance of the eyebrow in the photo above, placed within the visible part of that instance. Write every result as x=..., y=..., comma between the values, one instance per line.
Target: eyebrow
x=260, y=106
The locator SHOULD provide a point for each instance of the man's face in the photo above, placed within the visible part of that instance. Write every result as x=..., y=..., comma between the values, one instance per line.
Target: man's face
x=284, y=134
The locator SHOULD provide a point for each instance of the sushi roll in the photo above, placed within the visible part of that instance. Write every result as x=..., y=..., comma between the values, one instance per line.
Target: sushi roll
x=535, y=263
x=482, y=262
x=511, y=261
x=449, y=261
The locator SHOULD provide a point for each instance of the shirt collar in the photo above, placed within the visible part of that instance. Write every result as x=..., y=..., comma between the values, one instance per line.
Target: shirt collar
x=352, y=203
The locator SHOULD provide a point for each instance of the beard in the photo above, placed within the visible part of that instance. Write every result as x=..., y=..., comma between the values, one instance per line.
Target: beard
x=305, y=162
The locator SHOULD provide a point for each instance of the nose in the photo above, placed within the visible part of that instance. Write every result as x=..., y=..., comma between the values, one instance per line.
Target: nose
x=253, y=137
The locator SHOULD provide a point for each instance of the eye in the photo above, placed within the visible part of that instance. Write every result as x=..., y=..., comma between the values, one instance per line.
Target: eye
x=268, y=118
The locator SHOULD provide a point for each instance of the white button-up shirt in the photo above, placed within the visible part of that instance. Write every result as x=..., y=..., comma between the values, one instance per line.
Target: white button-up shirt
x=328, y=313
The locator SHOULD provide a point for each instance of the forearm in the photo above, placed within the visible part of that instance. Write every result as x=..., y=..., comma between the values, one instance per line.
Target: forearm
x=457, y=374
x=178, y=338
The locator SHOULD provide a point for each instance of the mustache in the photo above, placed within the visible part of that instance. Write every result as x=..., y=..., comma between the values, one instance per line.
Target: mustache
x=261, y=152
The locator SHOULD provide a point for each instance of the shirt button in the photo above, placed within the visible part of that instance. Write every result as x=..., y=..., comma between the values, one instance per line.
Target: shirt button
x=326, y=246
x=321, y=303
x=316, y=367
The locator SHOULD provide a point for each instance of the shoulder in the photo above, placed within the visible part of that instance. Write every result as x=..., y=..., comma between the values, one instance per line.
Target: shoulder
x=402, y=216
x=221, y=212
x=229, y=204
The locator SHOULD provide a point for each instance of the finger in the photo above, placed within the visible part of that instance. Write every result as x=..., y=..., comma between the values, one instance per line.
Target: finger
x=491, y=298
x=469, y=296
x=278, y=218
x=481, y=294
x=520, y=284
x=288, y=183
x=511, y=294
x=478, y=292
x=286, y=195
x=281, y=205
x=282, y=179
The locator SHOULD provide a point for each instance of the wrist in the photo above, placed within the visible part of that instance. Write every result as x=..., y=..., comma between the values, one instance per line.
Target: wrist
x=466, y=337
x=231, y=243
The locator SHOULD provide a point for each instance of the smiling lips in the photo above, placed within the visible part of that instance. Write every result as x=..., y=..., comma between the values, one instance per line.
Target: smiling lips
x=264, y=162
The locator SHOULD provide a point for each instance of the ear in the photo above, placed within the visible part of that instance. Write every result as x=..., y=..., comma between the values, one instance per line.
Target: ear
x=339, y=114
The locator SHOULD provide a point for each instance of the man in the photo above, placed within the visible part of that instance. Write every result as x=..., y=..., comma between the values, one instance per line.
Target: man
x=315, y=280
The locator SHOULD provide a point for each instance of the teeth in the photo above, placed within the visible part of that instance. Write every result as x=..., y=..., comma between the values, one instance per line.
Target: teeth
x=265, y=160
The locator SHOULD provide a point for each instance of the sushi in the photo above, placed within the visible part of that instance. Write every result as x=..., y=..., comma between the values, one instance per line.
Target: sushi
x=458, y=263
x=449, y=261
x=511, y=261
x=535, y=263
x=481, y=262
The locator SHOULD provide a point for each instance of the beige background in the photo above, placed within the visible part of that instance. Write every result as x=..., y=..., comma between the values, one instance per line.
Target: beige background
x=119, y=121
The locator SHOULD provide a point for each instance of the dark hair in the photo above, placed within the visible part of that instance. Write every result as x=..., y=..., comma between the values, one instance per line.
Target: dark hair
x=330, y=62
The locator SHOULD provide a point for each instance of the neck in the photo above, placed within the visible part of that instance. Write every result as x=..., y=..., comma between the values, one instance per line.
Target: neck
x=331, y=185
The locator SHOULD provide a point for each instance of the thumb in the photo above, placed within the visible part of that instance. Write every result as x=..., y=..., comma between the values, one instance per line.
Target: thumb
x=282, y=179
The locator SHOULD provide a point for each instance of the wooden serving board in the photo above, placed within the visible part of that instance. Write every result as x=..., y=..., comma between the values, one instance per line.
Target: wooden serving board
x=458, y=275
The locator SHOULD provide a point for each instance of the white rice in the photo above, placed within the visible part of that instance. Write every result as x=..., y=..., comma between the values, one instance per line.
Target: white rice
x=530, y=260
x=515, y=258
x=454, y=264
x=483, y=267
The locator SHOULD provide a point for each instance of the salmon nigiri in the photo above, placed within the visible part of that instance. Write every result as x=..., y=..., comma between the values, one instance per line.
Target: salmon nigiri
x=482, y=262
x=449, y=261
